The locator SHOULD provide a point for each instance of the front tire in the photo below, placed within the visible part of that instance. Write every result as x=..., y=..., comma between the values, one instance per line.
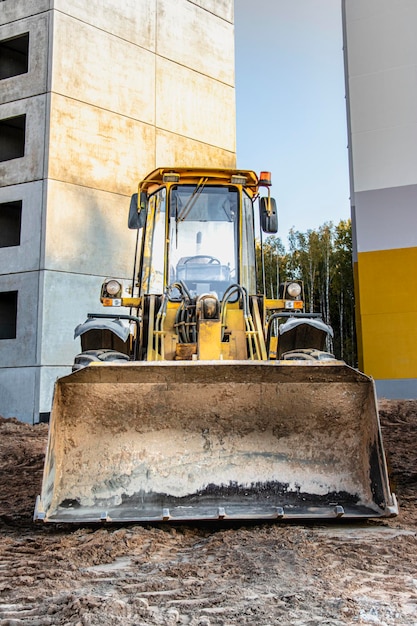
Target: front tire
x=307, y=354
x=93, y=356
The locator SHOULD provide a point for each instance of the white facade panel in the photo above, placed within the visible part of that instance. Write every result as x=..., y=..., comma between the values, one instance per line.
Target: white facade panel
x=358, y=9
x=385, y=158
x=380, y=35
x=384, y=99
x=382, y=84
x=386, y=219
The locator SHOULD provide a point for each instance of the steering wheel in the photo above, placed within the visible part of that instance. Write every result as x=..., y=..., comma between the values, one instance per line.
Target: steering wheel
x=198, y=257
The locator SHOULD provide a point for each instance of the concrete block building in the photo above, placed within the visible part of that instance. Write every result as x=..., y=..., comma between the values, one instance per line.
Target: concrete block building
x=93, y=95
x=381, y=69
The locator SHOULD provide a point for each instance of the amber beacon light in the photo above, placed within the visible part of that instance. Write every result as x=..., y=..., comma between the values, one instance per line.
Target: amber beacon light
x=265, y=179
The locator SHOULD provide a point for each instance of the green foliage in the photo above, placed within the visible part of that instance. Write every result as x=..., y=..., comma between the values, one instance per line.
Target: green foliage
x=322, y=258
x=276, y=262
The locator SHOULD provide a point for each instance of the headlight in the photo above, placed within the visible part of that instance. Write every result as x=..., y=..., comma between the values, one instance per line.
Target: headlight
x=113, y=287
x=294, y=290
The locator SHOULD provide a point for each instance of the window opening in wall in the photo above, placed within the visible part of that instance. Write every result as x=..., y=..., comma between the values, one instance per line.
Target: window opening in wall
x=10, y=223
x=12, y=137
x=14, y=56
x=8, y=314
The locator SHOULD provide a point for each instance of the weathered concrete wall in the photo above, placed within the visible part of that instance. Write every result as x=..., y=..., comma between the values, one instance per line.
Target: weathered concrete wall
x=30, y=166
x=221, y=8
x=113, y=91
x=21, y=352
x=129, y=20
x=34, y=82
x=14, y=10
x=25, y=257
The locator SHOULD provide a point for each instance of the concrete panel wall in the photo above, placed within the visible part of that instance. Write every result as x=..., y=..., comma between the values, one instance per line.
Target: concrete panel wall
x=19, y=389
x=114, y=89
x=14, y=10
x=199, y=40
x=26, y=256
x=22, y=351
x=194, y=106
x=119, y=75
x=30, y=166
x=21, y=179
x=130, y=20
x=34, y=82
x=97, y=148
x=221, y=8
x=66, y=299
x=47, y=377
x=86, y=232
x=172, y=149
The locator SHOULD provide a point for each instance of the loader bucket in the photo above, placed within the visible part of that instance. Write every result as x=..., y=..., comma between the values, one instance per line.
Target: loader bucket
x=208, y=440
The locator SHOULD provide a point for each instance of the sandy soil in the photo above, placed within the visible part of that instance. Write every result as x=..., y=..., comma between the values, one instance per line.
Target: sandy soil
x=263, y=574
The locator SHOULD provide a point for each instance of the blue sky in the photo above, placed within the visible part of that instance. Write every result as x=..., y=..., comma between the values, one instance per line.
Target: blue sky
x=290, y=102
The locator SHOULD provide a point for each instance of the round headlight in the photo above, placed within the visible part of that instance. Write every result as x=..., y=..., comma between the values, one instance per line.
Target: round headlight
x=294, y=290
x=113, y=287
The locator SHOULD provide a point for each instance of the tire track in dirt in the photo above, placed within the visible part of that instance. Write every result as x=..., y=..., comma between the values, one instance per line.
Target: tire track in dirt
x=206, y=575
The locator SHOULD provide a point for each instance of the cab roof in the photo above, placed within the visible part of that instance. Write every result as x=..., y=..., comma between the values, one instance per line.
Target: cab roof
x=193, y=175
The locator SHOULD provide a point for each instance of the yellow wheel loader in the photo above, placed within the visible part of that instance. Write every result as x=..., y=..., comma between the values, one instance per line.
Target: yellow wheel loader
x=196, y=397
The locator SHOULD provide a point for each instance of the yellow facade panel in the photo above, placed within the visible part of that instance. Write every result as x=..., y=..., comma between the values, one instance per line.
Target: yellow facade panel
x=386, y=283
x=358, y=318
x=389, y=345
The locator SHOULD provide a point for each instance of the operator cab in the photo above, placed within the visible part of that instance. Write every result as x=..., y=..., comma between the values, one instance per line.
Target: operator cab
x=192, y=236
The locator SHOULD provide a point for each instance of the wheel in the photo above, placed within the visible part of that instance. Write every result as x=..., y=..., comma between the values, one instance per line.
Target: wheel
x=307, y=354
x=90, y=356
x=199, y=258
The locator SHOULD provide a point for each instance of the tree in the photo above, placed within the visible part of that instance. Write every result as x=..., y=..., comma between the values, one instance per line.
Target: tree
x=343, y=297
x=322, y=258
x=274, y=265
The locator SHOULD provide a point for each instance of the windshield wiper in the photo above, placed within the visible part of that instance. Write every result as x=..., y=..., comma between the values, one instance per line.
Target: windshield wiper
x=192, y=200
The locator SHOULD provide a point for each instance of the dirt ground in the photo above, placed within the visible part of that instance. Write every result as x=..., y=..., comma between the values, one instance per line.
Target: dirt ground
x=258, y=574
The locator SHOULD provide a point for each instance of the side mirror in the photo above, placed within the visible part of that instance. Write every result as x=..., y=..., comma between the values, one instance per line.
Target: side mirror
x=268, y=215
x=137, y=213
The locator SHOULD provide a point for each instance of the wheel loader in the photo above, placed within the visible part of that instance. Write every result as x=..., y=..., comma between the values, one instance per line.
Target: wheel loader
x=196, y=397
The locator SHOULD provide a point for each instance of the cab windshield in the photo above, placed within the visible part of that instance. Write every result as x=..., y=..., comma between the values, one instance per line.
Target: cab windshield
x=203, y=235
